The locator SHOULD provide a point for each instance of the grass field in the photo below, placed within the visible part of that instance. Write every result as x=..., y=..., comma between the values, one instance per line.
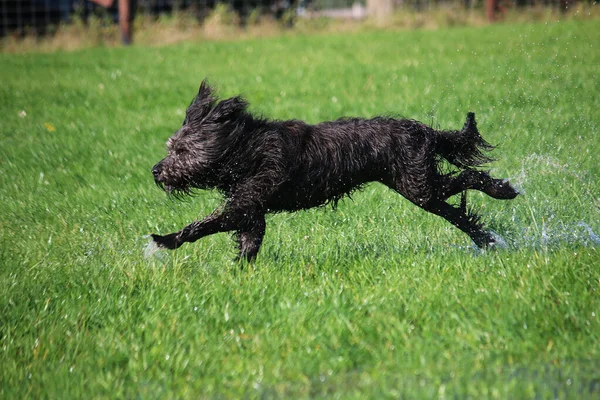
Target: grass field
x=374, y=300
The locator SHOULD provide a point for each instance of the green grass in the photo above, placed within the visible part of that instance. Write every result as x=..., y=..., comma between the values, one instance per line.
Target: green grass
x=376, y=299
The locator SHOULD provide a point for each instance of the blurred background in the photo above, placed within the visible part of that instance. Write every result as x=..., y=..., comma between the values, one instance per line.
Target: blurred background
x=117, y=20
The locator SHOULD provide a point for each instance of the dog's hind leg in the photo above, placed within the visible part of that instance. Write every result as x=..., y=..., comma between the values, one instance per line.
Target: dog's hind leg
x=249, y=241
x=477, y=180
x=459, y=217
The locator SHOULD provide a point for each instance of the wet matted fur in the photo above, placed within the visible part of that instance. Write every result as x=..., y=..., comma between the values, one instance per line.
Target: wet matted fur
x=263, y=166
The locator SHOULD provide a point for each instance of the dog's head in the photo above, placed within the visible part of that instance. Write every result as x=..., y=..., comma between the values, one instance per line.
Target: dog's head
x=199, y=149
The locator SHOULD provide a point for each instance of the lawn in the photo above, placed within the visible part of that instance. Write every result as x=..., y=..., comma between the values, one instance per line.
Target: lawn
x=376, y=299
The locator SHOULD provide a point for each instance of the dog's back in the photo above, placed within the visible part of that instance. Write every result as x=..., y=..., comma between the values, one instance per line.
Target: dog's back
x=326, y=161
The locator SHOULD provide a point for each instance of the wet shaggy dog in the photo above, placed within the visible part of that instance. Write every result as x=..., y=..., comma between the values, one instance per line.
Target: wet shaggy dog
x=264, y=166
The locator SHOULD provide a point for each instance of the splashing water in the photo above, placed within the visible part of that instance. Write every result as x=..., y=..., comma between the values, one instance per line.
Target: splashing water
x=561, y=234
x=152, y=251
x=593, y=237
x=543, y=227
x=499, y=243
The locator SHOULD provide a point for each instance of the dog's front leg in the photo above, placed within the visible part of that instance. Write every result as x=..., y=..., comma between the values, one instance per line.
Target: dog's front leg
x=226, y=220
x=192, y=232
x=250, y=239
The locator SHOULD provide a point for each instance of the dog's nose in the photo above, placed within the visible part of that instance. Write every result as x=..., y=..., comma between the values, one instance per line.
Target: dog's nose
x=156, y=170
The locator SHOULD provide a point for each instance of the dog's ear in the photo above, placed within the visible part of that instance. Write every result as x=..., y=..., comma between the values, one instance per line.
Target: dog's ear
x=229, y=109
x=202, y=103
x=206, y=91
x=470, y=124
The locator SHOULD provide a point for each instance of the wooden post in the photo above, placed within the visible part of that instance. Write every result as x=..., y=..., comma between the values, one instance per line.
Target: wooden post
x=125, y=21
x=124, y=17
x=491, y=7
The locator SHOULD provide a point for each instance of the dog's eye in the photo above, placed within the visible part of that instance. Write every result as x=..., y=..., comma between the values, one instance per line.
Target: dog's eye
x=176, y=150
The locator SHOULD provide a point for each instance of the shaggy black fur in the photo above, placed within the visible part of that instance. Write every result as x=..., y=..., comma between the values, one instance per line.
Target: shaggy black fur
x=266, y=166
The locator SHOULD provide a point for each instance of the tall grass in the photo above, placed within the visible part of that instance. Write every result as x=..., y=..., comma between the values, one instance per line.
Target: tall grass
x=375, y=299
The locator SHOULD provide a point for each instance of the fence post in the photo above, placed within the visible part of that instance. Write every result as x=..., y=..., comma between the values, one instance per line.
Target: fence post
x=491, y=8
x=125, y=21
x=124, y=17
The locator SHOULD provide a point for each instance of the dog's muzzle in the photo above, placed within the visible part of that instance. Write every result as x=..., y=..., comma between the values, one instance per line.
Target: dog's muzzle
x=157, y=172
x=160, y=179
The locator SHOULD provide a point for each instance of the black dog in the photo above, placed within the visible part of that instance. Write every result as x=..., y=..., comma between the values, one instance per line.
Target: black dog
x=266, y=166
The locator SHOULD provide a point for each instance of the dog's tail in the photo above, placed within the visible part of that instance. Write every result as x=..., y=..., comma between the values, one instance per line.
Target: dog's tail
x=464, y=148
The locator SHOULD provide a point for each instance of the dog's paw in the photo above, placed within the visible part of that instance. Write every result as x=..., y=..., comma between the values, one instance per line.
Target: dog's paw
x=503, y=190
x=489, y=240
x=497, y=241
x=166, y=242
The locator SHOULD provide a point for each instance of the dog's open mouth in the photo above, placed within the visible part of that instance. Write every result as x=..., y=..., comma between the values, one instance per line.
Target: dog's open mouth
x=167, y=188
x=172, y=190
